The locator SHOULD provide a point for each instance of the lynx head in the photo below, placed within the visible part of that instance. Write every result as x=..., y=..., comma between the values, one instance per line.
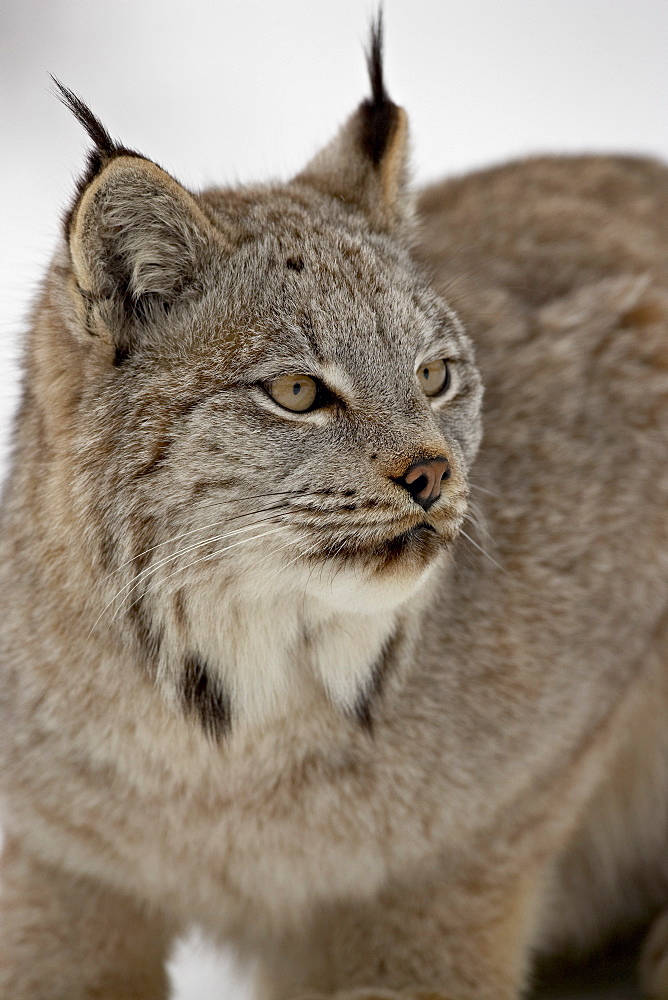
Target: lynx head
x=258, y=390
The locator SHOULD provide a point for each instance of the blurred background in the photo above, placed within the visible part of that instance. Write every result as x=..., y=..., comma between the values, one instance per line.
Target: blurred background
x=239, y=90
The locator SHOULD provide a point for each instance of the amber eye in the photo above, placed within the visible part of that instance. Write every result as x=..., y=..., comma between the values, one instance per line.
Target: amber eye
x=434, y=377
x=293, y=392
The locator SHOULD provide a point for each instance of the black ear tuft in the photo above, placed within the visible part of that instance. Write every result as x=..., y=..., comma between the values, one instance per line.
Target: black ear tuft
x=104, y=144
x=105, y=147
x=365, y=165
x=379, y=113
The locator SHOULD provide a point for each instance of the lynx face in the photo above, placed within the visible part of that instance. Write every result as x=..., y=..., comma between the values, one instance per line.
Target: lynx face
x=339, y=315
x=209, y=450
x=267, y=403
x=221, y=311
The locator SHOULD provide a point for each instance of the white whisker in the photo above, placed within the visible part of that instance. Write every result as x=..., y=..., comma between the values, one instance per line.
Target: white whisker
x=151, y=570
x=182, y=569
x=209, y=524
x=138, y=578
x=300, y=555
x=486, y=554
x=482, y=489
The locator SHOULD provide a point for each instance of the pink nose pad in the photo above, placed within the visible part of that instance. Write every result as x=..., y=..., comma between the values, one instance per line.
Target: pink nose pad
x=423, y=480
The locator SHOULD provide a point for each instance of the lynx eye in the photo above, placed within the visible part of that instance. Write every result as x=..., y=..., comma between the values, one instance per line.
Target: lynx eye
x=434, y=377
x=293, y=392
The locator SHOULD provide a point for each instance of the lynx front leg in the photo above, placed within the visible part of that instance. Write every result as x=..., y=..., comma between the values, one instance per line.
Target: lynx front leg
x=434, y=941
x=63, y=938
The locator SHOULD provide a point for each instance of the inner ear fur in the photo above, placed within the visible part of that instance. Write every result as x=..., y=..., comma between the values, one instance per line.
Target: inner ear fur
x=366, y=164
x=136, y=231
x=136, y=238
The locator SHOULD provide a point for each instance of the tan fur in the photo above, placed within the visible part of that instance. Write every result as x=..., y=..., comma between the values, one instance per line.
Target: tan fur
x=383, y=768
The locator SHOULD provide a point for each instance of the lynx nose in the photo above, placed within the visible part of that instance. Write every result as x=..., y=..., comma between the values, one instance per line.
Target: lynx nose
x=423, y=480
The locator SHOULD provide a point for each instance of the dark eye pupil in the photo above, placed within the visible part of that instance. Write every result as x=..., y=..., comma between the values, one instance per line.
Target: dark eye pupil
x=297, y=388
x=426, y=373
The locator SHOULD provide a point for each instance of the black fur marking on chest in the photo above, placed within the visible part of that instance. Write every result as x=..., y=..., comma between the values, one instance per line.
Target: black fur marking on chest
x=379, y=672
x=150, y=637
x=205, y=698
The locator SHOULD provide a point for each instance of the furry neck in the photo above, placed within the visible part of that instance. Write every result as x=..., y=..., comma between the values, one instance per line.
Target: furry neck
x=282, y=654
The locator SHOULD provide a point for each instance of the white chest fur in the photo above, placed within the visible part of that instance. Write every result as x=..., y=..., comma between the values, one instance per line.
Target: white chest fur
x=274, y=650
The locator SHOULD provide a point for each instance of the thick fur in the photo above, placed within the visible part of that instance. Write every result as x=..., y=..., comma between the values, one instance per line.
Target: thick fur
x=247, y=681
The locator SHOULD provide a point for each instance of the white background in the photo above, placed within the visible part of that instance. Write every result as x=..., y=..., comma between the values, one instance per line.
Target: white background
x=248, y=89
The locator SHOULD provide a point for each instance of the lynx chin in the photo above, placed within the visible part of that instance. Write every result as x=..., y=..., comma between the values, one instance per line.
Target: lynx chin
x=285, y=653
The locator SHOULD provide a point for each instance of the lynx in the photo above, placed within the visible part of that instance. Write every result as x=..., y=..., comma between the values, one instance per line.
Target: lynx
x=286, y=653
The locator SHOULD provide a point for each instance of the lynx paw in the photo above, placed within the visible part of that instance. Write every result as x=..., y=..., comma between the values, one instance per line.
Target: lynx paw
x=654, y=960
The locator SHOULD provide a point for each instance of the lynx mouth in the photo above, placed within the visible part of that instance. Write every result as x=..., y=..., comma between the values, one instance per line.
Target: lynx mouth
x=405, y=538
x=418, y=530
x=422, y=540
x=419, y=544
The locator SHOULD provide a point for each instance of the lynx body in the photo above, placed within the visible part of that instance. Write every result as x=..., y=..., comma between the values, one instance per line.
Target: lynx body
x=378, y=706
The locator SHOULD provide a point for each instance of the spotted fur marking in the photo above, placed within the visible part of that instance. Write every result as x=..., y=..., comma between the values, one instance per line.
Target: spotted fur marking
x=204, y=698
x=374, y=690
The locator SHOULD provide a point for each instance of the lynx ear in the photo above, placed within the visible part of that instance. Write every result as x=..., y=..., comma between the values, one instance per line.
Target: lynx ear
x=137, y=239
x=366, y=164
